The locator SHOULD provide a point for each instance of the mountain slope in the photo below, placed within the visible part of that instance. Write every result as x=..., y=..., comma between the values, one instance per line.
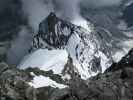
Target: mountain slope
x=46, y=60
x=115, y=84
x=89, y=52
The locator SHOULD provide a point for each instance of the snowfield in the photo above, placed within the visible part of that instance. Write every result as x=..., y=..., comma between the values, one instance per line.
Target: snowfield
x=46, y=60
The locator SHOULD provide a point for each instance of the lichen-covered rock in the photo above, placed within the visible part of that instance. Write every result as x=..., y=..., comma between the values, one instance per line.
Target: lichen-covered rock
x=108, y=86
x=13, y=84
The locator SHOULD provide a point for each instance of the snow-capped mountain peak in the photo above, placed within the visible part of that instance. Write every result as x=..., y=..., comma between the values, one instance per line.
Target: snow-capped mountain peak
x=87, y=49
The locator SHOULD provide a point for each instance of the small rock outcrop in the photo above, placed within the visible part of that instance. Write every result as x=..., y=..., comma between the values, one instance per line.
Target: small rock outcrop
x=13, y=84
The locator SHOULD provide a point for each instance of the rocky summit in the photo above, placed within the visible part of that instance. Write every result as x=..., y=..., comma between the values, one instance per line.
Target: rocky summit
x=89, y=52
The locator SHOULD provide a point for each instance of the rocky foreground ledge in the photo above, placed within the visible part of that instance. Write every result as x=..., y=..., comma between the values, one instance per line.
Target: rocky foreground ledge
x=115, y=84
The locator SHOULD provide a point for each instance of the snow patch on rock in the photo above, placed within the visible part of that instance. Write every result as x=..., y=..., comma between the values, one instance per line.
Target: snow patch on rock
x=42, y=81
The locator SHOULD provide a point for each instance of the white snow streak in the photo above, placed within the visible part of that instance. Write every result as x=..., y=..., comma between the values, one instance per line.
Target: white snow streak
x=42, y=81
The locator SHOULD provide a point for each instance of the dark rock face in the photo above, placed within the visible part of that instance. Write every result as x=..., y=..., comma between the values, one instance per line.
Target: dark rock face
x=126, y=61
x=108, y=86
x=13, y=84
x=51, y=30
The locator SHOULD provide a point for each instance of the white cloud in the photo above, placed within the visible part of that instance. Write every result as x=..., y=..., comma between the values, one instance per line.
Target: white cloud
x=100, y=3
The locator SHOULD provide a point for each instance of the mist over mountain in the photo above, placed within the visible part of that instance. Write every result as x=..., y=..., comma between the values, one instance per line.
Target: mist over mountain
x=128, y=15
x=37, y=10
x=78, y=12
x=66, y=49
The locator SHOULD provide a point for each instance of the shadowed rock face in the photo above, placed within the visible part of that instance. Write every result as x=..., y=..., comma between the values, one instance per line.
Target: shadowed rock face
x=13, y=84
x=51, y=30
x=126, y=62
